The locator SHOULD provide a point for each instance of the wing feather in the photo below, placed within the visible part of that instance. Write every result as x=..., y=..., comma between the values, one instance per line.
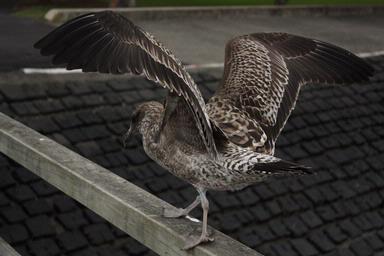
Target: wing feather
x=110, y=43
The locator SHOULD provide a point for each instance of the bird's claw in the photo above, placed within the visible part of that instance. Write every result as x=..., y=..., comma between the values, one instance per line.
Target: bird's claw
x=173, y=213
x=204, y=238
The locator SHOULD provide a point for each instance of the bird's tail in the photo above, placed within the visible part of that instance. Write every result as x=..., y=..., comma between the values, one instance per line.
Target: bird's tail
x=281, y=168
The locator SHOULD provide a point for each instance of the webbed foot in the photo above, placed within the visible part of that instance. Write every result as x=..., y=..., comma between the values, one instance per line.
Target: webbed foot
x=193, y=242
x=173, y=213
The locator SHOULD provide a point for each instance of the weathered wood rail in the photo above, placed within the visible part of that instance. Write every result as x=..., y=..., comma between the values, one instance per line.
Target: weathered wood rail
x=125, y=205
x=6, y=249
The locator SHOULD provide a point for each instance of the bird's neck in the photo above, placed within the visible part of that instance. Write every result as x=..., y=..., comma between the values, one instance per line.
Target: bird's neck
x=150, y=129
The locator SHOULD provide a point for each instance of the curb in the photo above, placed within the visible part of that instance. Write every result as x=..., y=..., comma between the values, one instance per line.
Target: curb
x=62, y=15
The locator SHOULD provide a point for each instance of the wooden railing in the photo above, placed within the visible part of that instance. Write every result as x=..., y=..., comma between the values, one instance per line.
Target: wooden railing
x=125, y=205
x=6, y=249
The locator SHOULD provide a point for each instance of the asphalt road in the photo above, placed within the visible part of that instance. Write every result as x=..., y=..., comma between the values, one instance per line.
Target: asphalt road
x=17, y=36
x=201, y=40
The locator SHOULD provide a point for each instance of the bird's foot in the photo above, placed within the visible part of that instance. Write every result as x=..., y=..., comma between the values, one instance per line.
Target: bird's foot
x=193, y=241
x=173, y=213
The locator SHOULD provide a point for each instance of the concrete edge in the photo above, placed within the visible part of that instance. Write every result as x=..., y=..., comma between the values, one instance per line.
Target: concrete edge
x=62, y=15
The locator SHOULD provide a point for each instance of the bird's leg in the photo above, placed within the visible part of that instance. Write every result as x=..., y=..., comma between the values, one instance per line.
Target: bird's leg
x=179, y=212
x=204, y=237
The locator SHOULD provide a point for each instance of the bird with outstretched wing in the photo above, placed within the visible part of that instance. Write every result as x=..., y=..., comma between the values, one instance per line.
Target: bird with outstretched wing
x=224, y=144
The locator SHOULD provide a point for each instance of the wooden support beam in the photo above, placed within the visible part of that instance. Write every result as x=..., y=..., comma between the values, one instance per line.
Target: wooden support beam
x=125, y=205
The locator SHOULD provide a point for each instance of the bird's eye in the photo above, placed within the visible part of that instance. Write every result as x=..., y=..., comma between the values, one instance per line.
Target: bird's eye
x=135, y=117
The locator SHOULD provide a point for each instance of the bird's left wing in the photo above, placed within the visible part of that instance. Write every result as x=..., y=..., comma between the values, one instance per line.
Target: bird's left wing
x=107, y=42
x=262, y=77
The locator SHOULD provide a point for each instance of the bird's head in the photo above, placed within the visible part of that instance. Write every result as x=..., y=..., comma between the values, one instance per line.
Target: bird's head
x=144, y=120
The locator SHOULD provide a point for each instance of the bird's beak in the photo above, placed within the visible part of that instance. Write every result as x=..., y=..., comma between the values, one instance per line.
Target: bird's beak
x=127, y=136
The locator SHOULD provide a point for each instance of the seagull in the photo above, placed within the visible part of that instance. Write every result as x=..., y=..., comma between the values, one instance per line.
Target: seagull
x=228, y=142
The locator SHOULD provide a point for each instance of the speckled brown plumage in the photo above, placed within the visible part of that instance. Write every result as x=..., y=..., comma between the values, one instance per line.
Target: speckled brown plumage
x=228, y=143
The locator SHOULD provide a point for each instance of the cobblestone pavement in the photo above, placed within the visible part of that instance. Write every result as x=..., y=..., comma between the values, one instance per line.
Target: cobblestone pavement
x=337, y=130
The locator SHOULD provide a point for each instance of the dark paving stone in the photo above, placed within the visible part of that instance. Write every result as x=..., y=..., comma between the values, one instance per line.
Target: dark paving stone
x=92, y=100
x=74, y=135
x=304, y=247
x=279, y=228
x=36, y=207
x=47, y=106
x=374, y=242
x=64, y=204
x=85, y=252
x=13, y=214
x=93, y=217
x=70, y=241
x=44, y=125
x=40, y=226
x=335, y=234
x=42, y=188
x=351, y=229
x=73, y=220
x=260, y=212
x=24, y=175
x=3, y=200
x=72, y=102
x=20, y=193
x=98, y=234
x=283, y=248
x=296, y=226
x=89, y=148
x=14, y=233
x=24, y=108
x=250, y=239
x=44, y=247
x=311, y=219
x=89, y=117
x=337, y=130
x=57, y=90
x=321, y=241
x=361, y=247
x=68, y=120
x=23, y=92
x=6, y=179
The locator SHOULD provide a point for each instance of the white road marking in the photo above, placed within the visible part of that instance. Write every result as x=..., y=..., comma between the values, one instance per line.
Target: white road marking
x=191, y=67
x=50, y=71
x=370, y=54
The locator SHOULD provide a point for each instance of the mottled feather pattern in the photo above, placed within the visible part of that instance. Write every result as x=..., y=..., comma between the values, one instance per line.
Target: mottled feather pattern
x=264, y=72
x=309, y=61
x=238, y=167
x=257, y=85
x=228, y=143
x=236, y=124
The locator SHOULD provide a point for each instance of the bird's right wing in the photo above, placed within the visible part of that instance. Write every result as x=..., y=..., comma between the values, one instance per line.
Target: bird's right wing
x=108, y=42
x=262, y=77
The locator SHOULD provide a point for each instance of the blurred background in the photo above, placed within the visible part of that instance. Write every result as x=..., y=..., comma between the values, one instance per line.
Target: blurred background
x=37, y=8
x=339, y=131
